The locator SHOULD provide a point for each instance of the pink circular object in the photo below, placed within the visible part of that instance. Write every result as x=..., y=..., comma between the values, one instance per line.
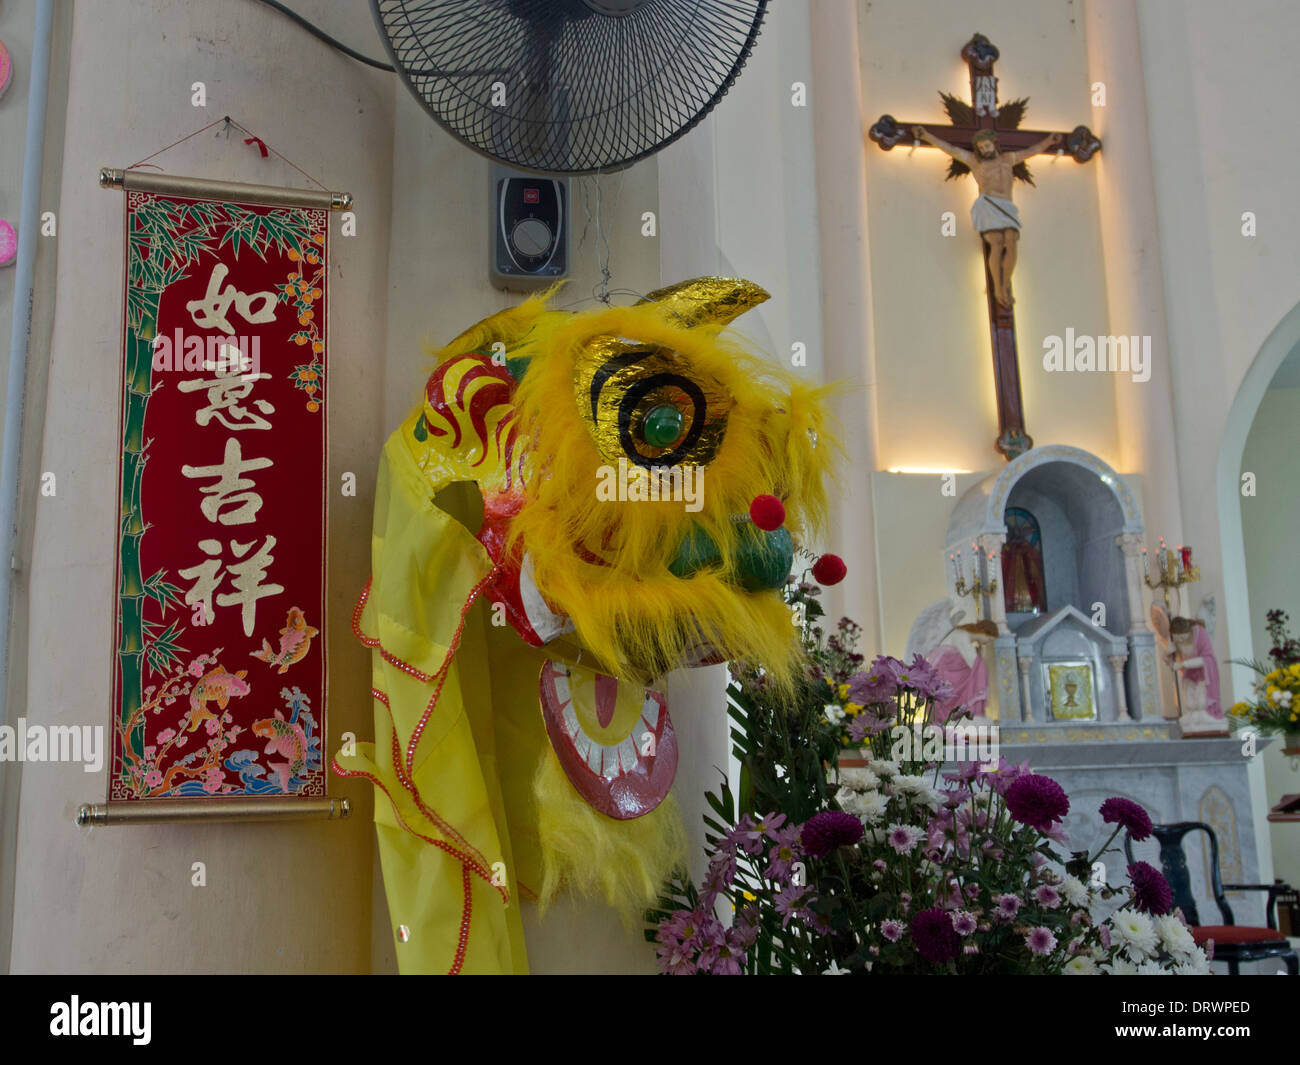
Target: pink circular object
x=6, y=68
x=8, y=243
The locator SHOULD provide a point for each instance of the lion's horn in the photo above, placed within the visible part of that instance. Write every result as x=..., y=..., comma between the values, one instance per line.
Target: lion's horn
x=715, y=300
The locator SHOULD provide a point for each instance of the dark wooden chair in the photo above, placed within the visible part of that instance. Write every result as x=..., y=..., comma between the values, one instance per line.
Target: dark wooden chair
x=1233, y=943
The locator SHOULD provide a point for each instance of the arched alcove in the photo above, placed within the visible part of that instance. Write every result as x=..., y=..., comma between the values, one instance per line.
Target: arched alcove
x=1090, y=530
x=1244, y=614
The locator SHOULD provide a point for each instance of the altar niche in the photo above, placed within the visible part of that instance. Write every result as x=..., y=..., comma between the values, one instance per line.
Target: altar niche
x=1061, y=535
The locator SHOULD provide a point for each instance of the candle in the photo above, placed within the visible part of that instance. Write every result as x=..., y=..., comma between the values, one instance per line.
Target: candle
x=1186, y=552
x=1146, y=570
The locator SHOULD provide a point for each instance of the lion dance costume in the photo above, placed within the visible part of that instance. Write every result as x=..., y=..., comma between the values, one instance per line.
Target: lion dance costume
x=519, y=611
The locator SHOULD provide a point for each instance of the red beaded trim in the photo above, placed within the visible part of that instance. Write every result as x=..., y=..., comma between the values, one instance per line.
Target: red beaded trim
x=465, y=915
x=443, y=669
x=467, y=854
x=445, y=827
x=467, y=910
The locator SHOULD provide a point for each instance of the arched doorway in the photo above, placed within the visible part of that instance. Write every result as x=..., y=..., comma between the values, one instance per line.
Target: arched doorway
x=1257, y=527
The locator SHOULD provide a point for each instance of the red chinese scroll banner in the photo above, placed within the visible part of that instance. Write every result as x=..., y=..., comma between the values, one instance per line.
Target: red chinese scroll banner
x=219, y=657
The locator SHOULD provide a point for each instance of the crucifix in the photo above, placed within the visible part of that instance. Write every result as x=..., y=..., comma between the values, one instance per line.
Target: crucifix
x=985, y=140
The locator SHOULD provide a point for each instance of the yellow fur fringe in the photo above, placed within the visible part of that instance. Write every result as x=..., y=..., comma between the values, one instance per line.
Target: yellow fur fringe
x=630, y=613
x=625, y=861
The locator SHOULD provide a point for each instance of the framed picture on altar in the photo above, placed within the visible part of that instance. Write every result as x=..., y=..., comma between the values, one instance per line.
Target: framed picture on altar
x=1071, y=691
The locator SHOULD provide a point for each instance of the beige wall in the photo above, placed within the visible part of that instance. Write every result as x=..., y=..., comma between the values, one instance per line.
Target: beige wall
x=279, y=898
x=1269, y=523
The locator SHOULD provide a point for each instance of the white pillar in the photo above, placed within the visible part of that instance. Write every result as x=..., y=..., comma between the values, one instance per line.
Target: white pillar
x=1131, y=546
x=1117, y=667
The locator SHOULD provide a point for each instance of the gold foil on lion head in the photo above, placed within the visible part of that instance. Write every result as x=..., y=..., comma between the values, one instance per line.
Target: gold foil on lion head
x=653, y=582
x=618, y=382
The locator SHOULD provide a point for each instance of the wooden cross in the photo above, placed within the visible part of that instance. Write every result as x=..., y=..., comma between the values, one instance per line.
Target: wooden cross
x=984, y=113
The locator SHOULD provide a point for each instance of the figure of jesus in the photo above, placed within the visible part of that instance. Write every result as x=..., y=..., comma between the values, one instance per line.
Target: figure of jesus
x=993, y=214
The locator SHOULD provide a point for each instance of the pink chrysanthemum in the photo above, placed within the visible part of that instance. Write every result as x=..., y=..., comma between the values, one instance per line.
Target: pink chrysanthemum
x=1040, y=941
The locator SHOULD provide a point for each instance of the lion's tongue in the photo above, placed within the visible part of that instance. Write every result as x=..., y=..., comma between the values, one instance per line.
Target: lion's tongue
x=606, y=698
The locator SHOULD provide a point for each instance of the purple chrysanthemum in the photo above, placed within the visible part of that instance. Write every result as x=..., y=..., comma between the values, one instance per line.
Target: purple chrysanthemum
x=828, y=831
x=963, y=922
x=892, y=930
x=1117, y=811
x=903, y=838
x=1040, y=940
x=1047, y=896
x=1037, y=801
x=935, y=938
x=1151, y=892
x=783, y=854
x=874, y=685
x=1008, y=907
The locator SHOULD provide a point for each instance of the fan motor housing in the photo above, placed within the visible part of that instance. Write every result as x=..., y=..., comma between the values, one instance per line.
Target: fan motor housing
x=530, y=239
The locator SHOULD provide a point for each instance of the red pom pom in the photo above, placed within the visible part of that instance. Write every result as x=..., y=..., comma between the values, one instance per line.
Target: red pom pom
x=829, y=569
x=767, y=512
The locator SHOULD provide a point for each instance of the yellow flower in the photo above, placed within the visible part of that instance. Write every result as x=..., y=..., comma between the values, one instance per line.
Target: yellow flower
x=749, y=897
x=844, y=692
x=853, y=709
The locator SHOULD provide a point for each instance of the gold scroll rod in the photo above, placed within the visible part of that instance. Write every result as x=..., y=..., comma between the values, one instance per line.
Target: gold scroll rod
x=207, y=189
x=179, y=811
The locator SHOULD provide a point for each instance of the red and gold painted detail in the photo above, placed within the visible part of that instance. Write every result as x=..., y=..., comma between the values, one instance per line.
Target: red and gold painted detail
x=468, y=410
x=615, y=740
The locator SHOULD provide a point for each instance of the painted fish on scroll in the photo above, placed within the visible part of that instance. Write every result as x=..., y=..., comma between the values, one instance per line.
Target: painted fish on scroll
x=286, y=738
x=295, y=642
x=220, y=687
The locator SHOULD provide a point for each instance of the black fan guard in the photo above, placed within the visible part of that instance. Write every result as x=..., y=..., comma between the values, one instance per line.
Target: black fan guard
x=485, y=132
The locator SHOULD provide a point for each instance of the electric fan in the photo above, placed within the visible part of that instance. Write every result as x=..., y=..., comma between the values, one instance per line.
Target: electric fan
x=568, y=86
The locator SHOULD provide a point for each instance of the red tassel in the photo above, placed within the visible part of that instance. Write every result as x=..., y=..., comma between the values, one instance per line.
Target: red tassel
x=261, y=147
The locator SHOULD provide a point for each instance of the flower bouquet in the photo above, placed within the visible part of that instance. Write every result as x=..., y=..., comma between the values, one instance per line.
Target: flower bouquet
x=897, y=866
x=1275, y=706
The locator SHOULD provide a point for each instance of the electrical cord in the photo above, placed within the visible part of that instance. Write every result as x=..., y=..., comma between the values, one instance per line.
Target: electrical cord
x=319, y=33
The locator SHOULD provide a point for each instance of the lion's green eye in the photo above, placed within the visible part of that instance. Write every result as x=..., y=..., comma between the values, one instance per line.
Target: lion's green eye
x=662, y=425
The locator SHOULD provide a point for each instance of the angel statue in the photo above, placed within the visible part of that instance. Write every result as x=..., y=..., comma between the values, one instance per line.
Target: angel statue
x=954, y=649
x=1189, y=651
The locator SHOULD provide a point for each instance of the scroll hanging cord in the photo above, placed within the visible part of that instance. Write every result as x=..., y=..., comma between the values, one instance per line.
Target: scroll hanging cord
x=226, y=122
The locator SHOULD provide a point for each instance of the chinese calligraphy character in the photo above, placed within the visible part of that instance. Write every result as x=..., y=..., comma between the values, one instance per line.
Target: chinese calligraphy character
x=246, y=579
x=210, y=311
x=231, y=488
x=226, y=390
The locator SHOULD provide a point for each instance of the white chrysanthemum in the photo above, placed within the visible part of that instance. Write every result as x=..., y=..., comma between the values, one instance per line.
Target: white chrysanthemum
x=1195, y=964
x=1133, y=931
x=1119, y=967
x=1080, y=965
x=905, y=784
x=1151, y=967
x=833, y=712
x=1075, y=891
x=859, y=778
x=883, y=767
x=1176, y=936
x=871, y=808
